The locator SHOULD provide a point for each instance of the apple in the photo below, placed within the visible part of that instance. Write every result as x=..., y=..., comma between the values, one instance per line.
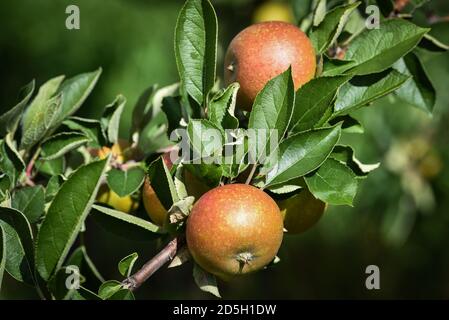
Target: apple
x=154, y=207
x=273, y=11
x=124, y=204
x=233, y=230
x=105, y=194
x=301, y=211
x=263, y=51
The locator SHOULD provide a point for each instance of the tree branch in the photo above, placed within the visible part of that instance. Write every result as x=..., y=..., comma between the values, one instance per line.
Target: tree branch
x=251, y=174
x=165, y=255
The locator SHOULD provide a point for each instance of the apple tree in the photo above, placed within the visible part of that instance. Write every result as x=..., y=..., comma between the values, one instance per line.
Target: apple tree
x=198, y=136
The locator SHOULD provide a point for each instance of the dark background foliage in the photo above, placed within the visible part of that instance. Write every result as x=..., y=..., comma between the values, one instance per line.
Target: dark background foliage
x=397, y=223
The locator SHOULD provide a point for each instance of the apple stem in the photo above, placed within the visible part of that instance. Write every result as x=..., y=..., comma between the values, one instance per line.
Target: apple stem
x=165, y=255
x=251, y=174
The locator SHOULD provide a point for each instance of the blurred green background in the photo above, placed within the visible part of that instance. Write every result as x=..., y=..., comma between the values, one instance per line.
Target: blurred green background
x=400, y=220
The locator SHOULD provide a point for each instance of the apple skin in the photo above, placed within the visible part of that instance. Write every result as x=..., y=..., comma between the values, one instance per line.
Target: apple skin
x=154, y=207
x=263, y=51
x=233, y=230
x=273, y=11
x=124, y=204
x=301, y=212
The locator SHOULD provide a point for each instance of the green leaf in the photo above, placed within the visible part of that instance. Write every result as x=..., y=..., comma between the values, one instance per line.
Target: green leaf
x=75, y=91
x=206, y=140
x=19, y=240
x=162, y=183
x=109, y=288
x=39, y=120
x=222, y=107
x=3, y=254
x=81, y=259
x=303, y=153
x=61, y=143
x=10, y=161
x=85, y=294
x=45, y=93
x=41, y=114
x=53, y=185
x=349, y=124
x=235, y=161
x=30, y=201
x=210, y=174
x=91, y=128
x=153, y=136
x=418, y=91
x=5, y=185
x=10, y=119
x=111, y=118
x=125, y=225
x=66, y=215
x=141, y=111
x=152, y=116
x=285, y=188
x=432, y=44
x=173, y=110
x=363, y=90
x=334, y=67
x=319, y=12
x=355, y=23
x=37, y=112
x=346, y=155
x=125, y=182
x=377, y=49
x=330, y=28
x=196, y=48
x=314, y=101
x=122, y=294
x=272, y=110
x=180, y=186
x=125, y=266
x=51, y=167
x=333, y=183
x=205, y=281
x=301, y=9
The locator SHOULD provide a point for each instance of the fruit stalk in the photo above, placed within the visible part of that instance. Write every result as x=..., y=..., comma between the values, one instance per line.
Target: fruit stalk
x=165, y=255
x=251, y=174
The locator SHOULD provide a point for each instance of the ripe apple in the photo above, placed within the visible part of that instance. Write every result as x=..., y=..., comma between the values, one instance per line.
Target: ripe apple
x=263, y=51
x=233, y=230
x=301, y=211
x=154, y=207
